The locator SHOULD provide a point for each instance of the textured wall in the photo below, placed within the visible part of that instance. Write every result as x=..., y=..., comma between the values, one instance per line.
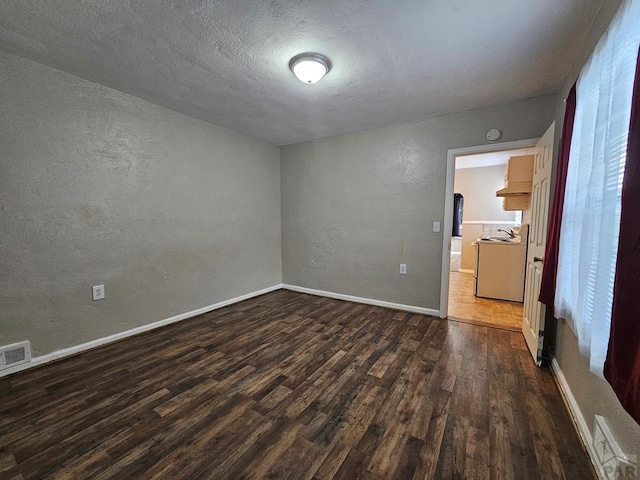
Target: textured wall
x=355, y=206
x=169, y=212
x=593, y=395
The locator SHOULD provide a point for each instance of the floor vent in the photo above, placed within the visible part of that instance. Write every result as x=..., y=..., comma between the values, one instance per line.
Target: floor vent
x=611, y=461
x=15, y=354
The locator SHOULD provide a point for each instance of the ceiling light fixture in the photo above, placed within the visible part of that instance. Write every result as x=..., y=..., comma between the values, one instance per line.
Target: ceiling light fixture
x=310, y=67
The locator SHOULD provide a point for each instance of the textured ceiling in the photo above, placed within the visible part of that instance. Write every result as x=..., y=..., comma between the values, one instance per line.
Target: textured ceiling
x=226, y=61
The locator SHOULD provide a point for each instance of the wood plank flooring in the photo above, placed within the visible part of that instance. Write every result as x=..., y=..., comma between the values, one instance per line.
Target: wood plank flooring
x=465, y=306
x=292, y=386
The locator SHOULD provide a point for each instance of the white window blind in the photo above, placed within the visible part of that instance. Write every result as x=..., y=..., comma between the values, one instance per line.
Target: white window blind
x=591, y=216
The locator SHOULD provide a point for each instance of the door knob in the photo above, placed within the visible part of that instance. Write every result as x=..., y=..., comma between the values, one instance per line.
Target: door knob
x=538, y=259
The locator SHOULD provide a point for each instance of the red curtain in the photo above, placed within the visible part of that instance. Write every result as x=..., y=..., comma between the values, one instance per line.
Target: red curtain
x=622, y=366
x=550, y=268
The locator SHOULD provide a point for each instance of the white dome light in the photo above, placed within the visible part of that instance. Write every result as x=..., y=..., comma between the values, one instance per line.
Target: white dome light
x=310, y=67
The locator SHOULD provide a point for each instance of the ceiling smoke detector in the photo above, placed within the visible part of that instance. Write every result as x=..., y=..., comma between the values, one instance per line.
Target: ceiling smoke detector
x=310, y=67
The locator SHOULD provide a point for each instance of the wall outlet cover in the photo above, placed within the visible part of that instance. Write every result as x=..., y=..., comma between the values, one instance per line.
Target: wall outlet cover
x=98, y=292
x=403, y=269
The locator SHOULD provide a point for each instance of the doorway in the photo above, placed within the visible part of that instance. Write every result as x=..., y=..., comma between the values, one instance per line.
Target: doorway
x=476, y=173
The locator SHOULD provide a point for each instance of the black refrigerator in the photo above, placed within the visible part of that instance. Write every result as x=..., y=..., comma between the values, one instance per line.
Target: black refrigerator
x=458, y=203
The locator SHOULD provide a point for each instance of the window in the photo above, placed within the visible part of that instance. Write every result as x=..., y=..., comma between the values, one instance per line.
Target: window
x=591, y=216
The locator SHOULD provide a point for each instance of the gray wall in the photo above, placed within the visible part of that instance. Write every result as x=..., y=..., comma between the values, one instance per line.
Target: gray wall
x=355, y=206
x=169, y=212
x=593, y=395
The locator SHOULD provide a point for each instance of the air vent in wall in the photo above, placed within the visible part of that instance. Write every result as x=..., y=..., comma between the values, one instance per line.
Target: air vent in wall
x=15, y=354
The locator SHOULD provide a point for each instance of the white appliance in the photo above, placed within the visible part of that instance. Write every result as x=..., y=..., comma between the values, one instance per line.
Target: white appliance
x=500, y=267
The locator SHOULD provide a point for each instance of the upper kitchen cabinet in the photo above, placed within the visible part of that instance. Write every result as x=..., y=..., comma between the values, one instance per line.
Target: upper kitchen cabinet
x=518, y=181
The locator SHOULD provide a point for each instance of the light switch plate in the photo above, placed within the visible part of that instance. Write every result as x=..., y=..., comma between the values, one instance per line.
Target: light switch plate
x=403, y=269
x=436, y=227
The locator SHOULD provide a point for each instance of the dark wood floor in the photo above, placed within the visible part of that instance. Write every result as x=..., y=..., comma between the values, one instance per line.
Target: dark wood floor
x=294, y=386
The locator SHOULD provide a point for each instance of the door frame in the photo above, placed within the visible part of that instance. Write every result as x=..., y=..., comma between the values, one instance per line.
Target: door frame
x=448, y=205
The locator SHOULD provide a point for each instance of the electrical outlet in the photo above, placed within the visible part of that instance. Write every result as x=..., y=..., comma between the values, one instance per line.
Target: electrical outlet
x=436, y=227
x=98, y=292
x=403, y=269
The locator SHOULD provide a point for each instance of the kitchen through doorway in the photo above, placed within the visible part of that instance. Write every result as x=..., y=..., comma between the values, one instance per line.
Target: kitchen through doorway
x=479, y=214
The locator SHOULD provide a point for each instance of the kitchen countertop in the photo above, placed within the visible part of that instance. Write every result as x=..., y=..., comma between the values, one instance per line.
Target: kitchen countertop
x=497, y=242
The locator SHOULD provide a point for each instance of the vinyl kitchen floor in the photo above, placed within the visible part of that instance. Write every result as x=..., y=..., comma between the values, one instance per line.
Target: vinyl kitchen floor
x=465, y=306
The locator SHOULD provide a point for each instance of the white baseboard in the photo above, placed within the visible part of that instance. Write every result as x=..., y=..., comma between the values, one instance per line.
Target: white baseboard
x=367, y=301
x=578, y=418
x=134, y=331
x=66, y=352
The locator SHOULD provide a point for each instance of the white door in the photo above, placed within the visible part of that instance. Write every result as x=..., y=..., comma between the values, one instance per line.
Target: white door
x=534, y=311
